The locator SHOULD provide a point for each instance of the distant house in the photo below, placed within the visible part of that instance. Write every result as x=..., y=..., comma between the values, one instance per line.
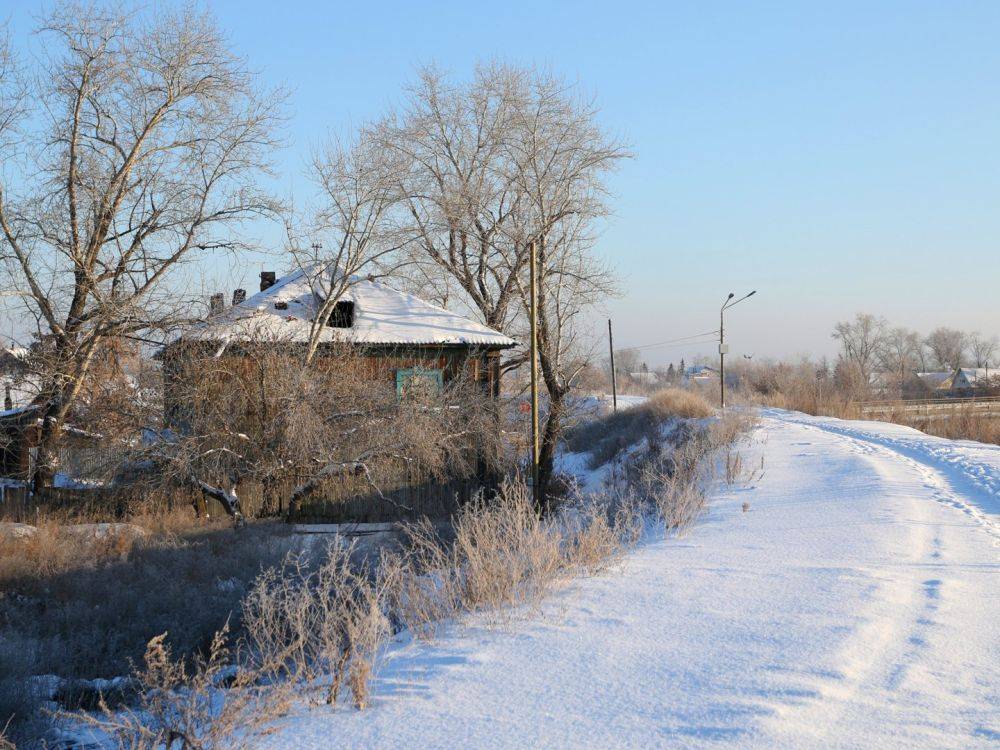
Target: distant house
x=968, y=379
x=936, y=381
x=700, y=374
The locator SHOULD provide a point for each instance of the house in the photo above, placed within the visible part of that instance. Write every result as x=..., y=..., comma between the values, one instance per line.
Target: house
x=399, y=336
x=700, y=374
x=18, y=424
x=393, y=345
x=968, y=379
x=936, y=381
x=17, y=386
x=19, y=430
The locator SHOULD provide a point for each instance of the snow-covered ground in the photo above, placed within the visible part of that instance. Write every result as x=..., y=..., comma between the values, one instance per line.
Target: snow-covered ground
x=856, y=604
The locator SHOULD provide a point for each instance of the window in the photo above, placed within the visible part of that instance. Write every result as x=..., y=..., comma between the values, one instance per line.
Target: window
x=342, y=315
x=418, y=383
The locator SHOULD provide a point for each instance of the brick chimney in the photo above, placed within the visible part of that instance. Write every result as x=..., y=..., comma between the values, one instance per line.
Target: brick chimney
x=216, y=303
x=238, y=296
x=266, y=280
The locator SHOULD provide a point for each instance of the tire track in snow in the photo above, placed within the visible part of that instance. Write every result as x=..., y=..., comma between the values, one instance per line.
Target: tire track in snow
x=940, y=469
x=890, y=641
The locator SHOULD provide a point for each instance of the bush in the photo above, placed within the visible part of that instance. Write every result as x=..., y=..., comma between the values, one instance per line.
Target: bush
x=606, y=437
x=318, y=627
x=208, y=705
x=674, y=479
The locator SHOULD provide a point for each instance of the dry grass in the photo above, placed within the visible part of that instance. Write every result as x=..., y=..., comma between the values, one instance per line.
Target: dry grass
x=84, y=606
x=607, y=437
x=960, y=424
x=319, y=626
x=505, y=555
x=205, y=704
x=678, y=403
x=314, y=627
x=674, y=479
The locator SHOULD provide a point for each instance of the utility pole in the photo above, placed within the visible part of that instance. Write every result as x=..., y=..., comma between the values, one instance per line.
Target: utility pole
x=723, y=349
x=614, y=377
x=533, y=315
x=722, y=352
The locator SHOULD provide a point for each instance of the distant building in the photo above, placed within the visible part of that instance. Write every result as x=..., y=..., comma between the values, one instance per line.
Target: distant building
x=700, y=374
x=935, y=381
x=968, y=379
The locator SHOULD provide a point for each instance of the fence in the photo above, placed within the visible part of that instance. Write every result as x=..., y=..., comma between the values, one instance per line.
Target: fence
x=934, y=407
x=336, y=500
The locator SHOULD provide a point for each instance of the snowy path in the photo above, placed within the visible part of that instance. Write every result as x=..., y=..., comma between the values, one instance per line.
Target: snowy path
x=857, y=604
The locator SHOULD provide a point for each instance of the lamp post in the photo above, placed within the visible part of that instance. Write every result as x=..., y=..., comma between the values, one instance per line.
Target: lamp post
x=723, y=349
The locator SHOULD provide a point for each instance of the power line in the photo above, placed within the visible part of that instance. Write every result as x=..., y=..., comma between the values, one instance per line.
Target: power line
x=682, y=341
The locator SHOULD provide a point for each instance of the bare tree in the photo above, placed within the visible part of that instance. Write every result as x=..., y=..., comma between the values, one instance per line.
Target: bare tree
x=983, y=349
x=147, y=137
x=561, y=157
x=12, y=96
x=512, y=158
x=861, y=340
x=627, y=360
x=459, y=186
x=948, y=347
x=900, y=353
x=360, y=235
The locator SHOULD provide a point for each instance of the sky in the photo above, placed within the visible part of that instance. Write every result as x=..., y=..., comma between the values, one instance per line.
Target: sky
x=835, y=157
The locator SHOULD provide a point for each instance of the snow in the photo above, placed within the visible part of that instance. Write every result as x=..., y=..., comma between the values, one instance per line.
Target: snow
x=382, y=315
x=853, y=605
x=66, y=482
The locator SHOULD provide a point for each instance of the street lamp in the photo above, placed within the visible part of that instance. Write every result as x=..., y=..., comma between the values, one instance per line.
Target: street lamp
x=723, y=349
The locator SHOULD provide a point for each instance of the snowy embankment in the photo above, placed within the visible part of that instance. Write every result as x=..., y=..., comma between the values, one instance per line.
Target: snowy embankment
x=855, y=604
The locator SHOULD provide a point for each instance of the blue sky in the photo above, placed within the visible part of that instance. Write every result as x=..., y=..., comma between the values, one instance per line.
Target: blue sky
x=837, y=157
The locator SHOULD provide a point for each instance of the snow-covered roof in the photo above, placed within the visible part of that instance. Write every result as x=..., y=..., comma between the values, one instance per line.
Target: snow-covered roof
x=935, y=379
x=704, y=370
x=382, y=316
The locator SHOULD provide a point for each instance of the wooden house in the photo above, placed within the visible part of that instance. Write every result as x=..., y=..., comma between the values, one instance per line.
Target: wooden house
x=402, y=338
x=396, y=342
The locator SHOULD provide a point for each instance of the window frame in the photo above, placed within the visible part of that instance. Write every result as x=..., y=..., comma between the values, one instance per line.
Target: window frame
x=405, y=374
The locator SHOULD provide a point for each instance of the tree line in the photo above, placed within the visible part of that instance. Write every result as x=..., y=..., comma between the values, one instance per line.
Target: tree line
x=869, y=344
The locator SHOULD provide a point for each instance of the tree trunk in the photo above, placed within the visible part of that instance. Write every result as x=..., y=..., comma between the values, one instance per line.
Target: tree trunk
x=44, y=470
x=550, y=442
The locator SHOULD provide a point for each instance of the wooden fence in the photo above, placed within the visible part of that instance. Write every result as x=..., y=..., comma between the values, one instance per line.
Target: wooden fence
x=932, y=407
x=336, y=500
